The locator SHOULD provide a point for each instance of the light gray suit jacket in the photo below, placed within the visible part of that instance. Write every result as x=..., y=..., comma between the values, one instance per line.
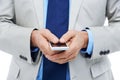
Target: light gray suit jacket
x=19, y=17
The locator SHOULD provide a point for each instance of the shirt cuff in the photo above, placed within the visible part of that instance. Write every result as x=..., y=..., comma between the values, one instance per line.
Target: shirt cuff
x=34, y=53
x=34, y=49
x=89, y=48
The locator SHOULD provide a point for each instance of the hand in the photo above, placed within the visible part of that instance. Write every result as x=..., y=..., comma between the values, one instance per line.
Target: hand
x=41, y=39
x=76, y=40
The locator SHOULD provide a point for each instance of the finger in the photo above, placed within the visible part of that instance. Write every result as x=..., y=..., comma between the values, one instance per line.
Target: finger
x=63, y=55
x=60, y=61
x=67, y=36
x=68, y=55
x=51, y=59
x=72, y=57
x=49, y=36
x=76, y=44
x=43, y=45
x=72, y=49
x=68, y=43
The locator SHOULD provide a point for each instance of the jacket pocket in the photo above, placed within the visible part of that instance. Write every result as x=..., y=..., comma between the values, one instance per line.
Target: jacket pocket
x=99, y=68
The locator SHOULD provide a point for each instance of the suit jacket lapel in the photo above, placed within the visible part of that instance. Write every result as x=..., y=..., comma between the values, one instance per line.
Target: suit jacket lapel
x=38, y=7
x=74, y=10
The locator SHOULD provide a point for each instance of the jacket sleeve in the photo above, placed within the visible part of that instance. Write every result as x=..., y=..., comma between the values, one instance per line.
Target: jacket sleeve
x=107, y=38
x=14, y=39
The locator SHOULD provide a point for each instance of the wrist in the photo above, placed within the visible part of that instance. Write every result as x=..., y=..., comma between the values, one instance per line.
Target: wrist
x=33, y=38
x=85, y=38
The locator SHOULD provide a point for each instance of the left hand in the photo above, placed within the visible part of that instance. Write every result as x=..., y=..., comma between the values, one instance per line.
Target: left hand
x=76, y=40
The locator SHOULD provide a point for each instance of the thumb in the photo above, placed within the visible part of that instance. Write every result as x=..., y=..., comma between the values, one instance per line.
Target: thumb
x=67, y=36
x=50, y=36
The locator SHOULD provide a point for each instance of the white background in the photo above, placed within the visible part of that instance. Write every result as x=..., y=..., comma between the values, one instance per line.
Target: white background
x=5, y=60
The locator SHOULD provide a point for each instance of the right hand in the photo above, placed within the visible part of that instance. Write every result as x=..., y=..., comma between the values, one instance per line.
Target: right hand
x=41, y=38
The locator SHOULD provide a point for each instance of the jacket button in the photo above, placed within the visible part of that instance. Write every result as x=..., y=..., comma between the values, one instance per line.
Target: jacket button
x=108, y=51
x=101, y=52
x=22, y=57
x=105, y=52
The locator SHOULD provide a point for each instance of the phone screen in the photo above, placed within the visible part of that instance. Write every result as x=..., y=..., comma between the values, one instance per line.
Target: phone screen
x=59, y=45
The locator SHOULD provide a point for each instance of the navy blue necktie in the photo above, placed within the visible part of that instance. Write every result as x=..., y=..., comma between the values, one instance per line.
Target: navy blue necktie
x=57, y=22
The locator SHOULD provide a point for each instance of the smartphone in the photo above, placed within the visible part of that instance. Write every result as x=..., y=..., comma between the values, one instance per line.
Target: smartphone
x=58, y=46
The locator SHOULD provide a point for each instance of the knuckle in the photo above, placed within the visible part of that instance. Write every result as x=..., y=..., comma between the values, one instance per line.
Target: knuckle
x=46, y=52
x=41, y=30
x=46, y=56
x=61, y=63
x=67, y=55
x=69, y=52
x=75, y=47
x=46, y=30
x=71, y=31
x=42, y=46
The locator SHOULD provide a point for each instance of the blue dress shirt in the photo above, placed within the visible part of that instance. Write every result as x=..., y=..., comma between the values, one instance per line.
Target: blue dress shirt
x=88, y=50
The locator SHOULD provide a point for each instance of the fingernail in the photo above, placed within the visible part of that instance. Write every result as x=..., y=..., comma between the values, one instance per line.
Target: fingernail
x=62, y=40
x=55, y=40
x=53, y=58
